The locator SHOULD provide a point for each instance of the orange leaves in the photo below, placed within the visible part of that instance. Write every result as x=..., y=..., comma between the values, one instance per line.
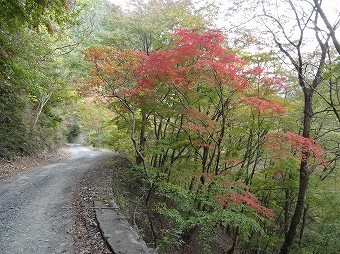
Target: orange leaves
x=201, y=117
x=95, y=54
x=193, y=87
x=111, y=68
x=199, y=143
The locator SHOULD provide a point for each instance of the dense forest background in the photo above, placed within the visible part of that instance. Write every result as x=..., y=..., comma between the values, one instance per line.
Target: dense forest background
x=229, y=114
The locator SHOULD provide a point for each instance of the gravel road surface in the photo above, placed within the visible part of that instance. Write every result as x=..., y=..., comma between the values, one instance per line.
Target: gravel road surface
x=36, y=213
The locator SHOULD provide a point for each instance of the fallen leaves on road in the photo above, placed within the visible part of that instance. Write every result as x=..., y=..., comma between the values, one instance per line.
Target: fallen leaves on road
x=87, y=236
x=22, y=163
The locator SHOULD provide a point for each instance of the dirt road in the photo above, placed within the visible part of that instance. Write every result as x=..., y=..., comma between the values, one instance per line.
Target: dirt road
x=36, y=206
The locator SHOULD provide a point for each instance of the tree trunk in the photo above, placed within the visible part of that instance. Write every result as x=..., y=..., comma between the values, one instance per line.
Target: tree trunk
x=286, y=211
x=142, y=138
x=237, y=233
x=289, y=239
x=304, y=217
x=42, y=102
x=304, y=175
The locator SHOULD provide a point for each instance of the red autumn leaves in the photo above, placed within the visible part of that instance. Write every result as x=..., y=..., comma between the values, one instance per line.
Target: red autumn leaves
x=285, y=144
x=198, y=78
x=193, y=60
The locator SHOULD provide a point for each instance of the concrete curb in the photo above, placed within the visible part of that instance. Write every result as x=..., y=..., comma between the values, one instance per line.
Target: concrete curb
x=121, y=237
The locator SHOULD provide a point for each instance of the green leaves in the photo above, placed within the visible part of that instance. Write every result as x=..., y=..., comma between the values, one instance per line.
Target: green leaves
x=190, y=211
x=33, y=78
x=149, y=25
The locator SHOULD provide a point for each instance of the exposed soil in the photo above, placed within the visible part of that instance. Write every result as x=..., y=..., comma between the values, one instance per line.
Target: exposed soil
x=22, y=163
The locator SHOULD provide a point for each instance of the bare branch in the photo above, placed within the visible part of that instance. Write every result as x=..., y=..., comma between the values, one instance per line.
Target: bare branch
x=328, y=25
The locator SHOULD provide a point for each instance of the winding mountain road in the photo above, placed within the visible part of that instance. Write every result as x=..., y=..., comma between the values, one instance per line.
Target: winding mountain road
x=36, y=214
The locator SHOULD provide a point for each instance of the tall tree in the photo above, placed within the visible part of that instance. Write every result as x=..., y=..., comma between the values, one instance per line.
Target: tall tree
x=148, y=26
x=309, y=79
x=293, y=26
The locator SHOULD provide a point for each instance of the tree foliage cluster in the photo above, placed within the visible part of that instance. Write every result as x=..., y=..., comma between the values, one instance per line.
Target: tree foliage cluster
x=222, y=142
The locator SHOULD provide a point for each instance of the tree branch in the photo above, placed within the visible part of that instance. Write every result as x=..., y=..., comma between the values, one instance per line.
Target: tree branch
x=328, y=25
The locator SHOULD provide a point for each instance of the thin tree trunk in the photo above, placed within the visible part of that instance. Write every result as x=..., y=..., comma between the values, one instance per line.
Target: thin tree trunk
x=305, y=210
x=304, y=176
x=43, y=100
x=289, y=239
x=142, y=139
x=232, y=249
x=286, y=211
